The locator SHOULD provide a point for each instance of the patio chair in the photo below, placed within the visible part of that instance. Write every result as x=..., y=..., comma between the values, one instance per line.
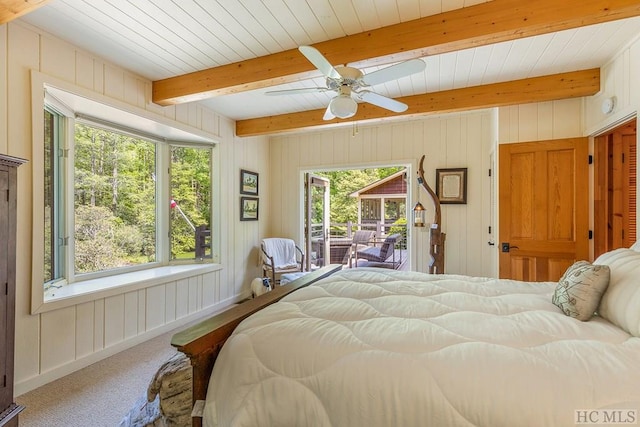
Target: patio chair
x=383, y=255
x=360, y=241
x=279, y=256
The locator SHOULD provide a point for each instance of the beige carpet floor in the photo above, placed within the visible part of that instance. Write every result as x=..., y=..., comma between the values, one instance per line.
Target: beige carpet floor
x=99, y=395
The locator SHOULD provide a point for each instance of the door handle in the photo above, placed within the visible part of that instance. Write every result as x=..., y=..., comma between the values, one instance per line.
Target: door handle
x=506, y=247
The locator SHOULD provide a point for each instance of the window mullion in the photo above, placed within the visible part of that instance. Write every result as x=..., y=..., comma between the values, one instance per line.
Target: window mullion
x=68, y=222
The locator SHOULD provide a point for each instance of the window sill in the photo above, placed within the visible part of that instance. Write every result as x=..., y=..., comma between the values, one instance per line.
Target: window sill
x=94, y=289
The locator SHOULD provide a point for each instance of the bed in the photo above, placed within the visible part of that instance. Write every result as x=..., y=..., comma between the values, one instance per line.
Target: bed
x=377, y=347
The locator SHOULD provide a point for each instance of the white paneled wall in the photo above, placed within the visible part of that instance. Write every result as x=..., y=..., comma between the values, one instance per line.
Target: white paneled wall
x=540, y=121
x=54, y=343
x=455, y=140
x=617, y=81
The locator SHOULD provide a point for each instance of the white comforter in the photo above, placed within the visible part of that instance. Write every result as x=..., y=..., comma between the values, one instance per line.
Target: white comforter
x=371, y=347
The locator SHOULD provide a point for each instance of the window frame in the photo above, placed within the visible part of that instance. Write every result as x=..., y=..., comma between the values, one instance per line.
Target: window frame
x=57, y=198
x=125, y=277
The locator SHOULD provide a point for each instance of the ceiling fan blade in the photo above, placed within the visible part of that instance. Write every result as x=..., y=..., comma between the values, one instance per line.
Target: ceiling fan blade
x=328, y=115
x=316, y=58
x=297, y=91
x=393, y=72
x=382, y=101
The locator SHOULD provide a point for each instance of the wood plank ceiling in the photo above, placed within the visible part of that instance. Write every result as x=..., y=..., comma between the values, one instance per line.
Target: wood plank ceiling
x=226, y=53
x=12, y=9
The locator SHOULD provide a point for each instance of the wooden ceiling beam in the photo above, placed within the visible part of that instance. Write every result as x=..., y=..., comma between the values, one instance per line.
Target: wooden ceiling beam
x=536, y=89
x=478, y=25
x=12, y=9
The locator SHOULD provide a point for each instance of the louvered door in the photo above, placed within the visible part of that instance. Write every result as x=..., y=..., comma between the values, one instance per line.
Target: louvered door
x=615, y=189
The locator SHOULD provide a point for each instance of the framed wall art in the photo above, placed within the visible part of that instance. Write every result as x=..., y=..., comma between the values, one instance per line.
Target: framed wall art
x=451, y=185
x=249, y=208
x=248, y=182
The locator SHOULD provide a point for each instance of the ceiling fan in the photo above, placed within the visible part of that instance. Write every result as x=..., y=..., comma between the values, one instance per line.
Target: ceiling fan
x=351, y=84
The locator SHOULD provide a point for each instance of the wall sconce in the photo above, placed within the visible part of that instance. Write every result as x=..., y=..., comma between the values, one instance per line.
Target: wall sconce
x=419, y=213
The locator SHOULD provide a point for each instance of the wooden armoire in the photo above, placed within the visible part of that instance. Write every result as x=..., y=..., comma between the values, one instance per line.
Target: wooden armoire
x=9, y=410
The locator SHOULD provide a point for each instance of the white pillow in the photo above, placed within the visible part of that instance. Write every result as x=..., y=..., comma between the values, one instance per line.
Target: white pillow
x=636, y=246
x=620, y=303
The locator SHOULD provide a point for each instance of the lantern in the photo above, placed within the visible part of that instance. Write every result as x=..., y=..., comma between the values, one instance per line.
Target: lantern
x=419, y=215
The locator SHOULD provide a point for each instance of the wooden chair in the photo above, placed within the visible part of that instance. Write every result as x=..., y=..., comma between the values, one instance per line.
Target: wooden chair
x=383, y=255
x=279, y=256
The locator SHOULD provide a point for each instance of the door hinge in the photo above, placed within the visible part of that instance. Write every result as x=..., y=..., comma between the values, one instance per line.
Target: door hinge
x=590, y=159
x=8, y=196
x=590, y=234
x=622, y=157
x=6, y=288
x=4, y=381
x=489, y=172
x=489, y=229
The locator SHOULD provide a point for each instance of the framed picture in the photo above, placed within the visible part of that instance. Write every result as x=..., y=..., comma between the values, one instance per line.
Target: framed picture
x=248, y=182
x=249, y=208
x=451, y=186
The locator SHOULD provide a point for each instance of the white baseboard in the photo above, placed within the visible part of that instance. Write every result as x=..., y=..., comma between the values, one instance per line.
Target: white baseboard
x=43, y=378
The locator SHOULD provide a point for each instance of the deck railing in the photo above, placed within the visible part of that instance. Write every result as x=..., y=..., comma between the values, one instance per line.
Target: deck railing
x=347, y=229
x=203, y=242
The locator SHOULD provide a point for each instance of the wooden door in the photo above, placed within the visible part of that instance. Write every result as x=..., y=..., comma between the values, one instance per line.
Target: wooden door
x=614, y=199
x=543, y=214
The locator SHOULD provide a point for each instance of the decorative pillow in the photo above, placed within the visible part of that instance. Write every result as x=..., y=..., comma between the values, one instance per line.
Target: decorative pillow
x=620, y=303
x=636, y=246
x=580, y=288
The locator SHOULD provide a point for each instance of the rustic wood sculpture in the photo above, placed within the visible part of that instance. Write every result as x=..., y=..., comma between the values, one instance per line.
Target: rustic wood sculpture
x=436, y=236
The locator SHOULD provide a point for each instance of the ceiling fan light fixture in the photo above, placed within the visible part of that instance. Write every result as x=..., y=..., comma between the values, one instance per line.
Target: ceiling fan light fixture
x=343, y=106
x=347, y=81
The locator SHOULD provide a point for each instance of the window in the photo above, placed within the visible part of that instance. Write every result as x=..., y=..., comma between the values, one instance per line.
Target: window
x=118, y=199
x=190, y=203
x=370, y=210
x=394, y=209
x=114, y=200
